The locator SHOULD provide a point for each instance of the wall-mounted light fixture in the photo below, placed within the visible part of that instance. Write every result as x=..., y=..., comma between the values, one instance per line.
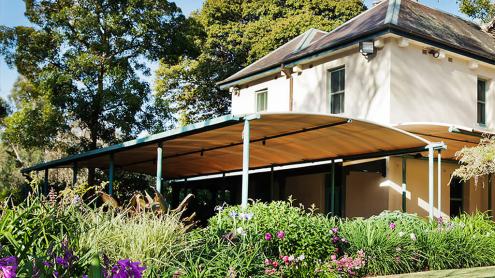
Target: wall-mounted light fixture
x=367, y=49
x=235, y=90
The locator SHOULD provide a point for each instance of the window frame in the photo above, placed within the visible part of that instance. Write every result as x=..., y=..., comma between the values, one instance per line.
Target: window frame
x=257, y=94
x=481, y=122
x=331, y=95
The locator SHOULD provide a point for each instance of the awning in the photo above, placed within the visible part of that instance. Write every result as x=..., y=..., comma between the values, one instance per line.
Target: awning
x=215, y=146
x=455, y=137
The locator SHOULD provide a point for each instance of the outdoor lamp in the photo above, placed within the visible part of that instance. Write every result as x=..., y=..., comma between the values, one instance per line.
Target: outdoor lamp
x=367, y=48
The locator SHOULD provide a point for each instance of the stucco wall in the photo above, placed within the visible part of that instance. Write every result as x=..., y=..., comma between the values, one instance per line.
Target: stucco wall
x=424, y=88
x=366, y=95
x=278, y=96
x=364, y=195
x=475, y=196
x=307, y=190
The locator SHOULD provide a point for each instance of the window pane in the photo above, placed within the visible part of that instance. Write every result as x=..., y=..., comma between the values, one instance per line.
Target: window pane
x=481, y=113
x=481, y=90
x=337, y=103
x=337, y=80
x=261, y=101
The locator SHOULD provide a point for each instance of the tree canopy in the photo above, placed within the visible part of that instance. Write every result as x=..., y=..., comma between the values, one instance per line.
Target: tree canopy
x=235, y=34
x=85, y=67
x=483, y=10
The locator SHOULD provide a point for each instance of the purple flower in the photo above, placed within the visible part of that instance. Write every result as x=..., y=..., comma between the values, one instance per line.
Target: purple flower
x=334, y=230
x=127, y=268
x=246, y=216
x=62, y=261
x=268, y=236
x=8, y=267
x=233, y=214
x=392, y=225
x=280, y=234
x=335, y=239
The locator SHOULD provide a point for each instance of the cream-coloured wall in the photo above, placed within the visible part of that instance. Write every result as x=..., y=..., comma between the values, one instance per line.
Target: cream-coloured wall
x=307, y=190
x=426, y=89
x=278, y=96
x=364, y=195
x=366, y=95
x=475, y=197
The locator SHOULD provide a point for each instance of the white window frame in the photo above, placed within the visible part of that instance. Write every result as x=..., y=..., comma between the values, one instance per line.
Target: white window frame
x=330, y=94
x=256, y=95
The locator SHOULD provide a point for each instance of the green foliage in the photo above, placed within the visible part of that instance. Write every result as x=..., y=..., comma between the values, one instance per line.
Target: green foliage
x=230, y=36
x=483, y=10
x=84, y=64
x=232, y=243
x=156, y=240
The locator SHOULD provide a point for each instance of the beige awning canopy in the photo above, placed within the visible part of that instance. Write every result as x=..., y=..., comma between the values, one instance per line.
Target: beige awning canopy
x=455, y=137
x=216, y=146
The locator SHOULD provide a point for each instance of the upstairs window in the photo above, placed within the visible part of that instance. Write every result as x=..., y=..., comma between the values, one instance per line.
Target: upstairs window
x=336, y=88
x=481, y=102
x=261, y=100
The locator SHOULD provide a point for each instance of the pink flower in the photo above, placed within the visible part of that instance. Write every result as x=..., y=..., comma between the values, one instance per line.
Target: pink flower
x=275, y=264
x=334, y=230
x=280, y=234
x=392, y=225
x=268, y=261
x=285, y=259
x=268, y=236
x=333, y=257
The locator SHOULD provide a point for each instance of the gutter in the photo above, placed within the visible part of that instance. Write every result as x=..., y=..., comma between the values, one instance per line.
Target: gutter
x=388, y=28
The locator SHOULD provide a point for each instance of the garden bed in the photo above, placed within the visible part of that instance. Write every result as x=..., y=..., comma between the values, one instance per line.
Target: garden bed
x=63, y=235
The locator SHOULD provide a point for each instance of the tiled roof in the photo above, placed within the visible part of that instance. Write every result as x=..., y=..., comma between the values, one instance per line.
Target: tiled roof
x=404, y=17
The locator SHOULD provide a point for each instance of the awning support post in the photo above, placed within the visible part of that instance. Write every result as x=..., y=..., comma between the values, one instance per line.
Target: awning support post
x=404, y=184
x=332, y=189
x=74, y=174
x=159, y=159
x=430, y=181
x=245, y=164
x=45, y=183
x=110, y=175
x=439, y=185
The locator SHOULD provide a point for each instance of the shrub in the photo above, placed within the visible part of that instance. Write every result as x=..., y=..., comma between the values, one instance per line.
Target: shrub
x=242, y=240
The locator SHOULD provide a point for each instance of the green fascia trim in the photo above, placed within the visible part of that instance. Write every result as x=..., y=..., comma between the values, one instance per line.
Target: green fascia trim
x=392, y=12
x=154, y=138
x=310, y=57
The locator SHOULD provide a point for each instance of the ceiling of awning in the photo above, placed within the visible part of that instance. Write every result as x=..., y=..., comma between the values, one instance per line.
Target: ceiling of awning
x=276, y=139
x=455, y=137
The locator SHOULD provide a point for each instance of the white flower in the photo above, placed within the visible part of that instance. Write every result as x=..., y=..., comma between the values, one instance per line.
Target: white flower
x=413, y=237
x=240, y=231
x=401, y=234
x=246, y=216
x=301, y=257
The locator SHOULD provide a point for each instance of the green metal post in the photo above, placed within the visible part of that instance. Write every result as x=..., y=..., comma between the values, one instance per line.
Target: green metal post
x=45, y=184
x=159, y=158
x=74, y=174
x=332, y=190
x=404, y=183
x=110, y=175
x=245, y=164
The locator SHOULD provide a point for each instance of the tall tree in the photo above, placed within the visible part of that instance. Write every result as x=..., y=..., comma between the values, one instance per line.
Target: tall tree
x=235, y=34
x=482, y=10
x=85, y=64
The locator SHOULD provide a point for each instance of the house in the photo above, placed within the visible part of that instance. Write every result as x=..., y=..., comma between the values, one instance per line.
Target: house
x=355, y=121
x=428, y=67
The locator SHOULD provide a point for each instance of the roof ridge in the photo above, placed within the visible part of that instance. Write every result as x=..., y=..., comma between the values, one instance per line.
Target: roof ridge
x=352, y=19
x=393, y=11
x=307, y=39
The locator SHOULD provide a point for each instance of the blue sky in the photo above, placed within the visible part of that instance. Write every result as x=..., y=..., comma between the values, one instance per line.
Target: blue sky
x=12, y=14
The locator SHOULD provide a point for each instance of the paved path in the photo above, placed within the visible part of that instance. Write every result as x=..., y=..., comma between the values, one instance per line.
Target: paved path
x=478, y=272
